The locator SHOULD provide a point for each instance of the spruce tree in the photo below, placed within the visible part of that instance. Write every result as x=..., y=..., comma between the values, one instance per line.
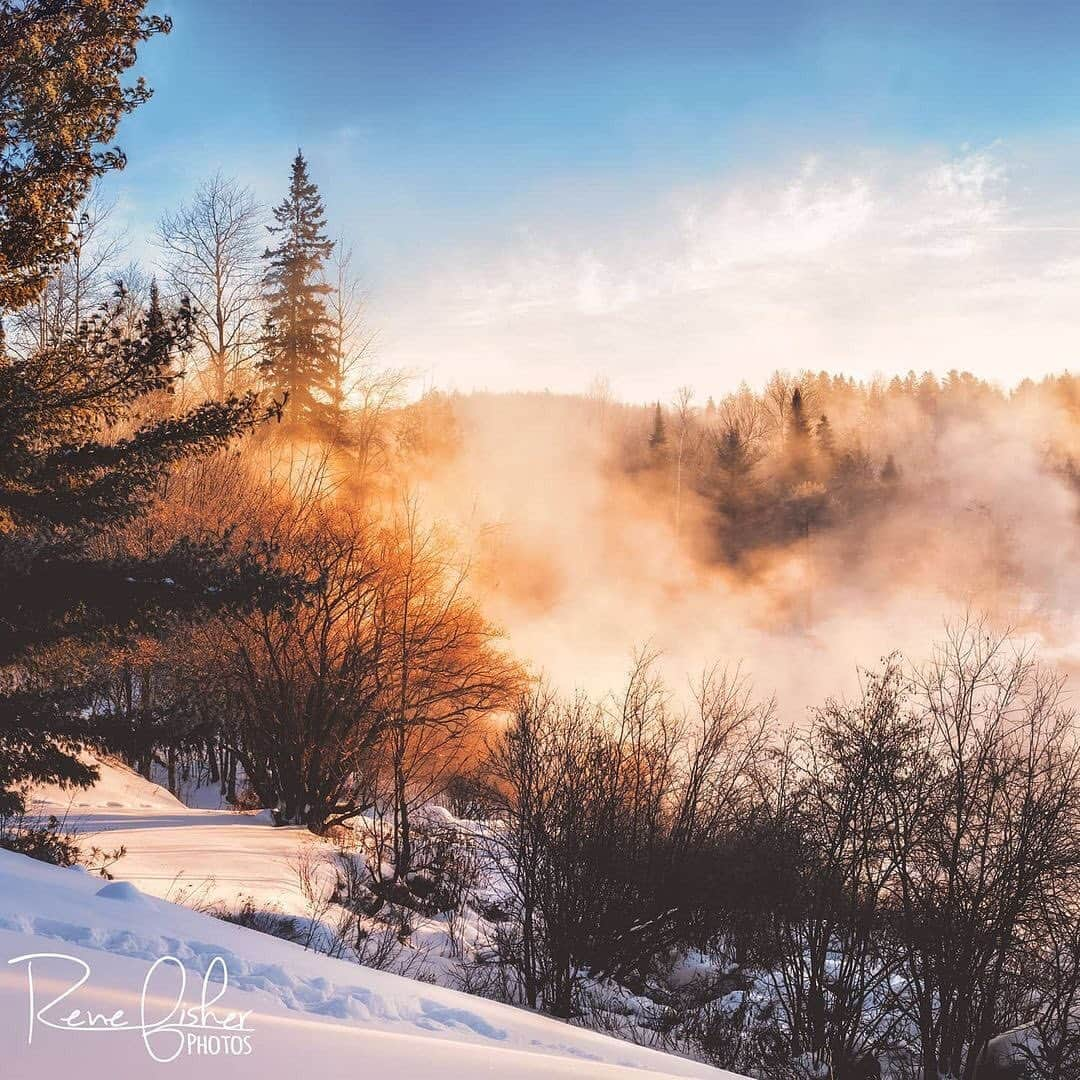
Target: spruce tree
x=658, y=436
x=733, y=455
x=798, y=425
x=299, y=340
x=825, y=440
x=79, y=458
x=798, y=452
x=735, y=490
x=158, y=337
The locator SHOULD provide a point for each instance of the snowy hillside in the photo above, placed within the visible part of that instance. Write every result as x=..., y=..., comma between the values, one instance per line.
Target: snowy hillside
x=309, y=1014
x=177, y=853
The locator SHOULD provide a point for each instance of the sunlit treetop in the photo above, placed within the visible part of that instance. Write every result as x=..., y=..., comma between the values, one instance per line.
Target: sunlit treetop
x=62, y=95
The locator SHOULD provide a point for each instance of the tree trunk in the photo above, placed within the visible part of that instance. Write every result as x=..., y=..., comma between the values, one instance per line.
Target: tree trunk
x=402, y=827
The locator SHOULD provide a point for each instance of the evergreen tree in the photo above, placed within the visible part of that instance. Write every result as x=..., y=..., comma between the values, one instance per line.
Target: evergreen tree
x=299, y=339
x=798, y=424
x=890, y=474
x=733, y=455
x=78, y=461
x=825, y=440
x=735, y=487
x=658, y=437
x=798, y=452
x=61, y=99
x=158, y=337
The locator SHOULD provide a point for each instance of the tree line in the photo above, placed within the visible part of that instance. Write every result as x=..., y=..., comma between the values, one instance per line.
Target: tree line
x=811, y=452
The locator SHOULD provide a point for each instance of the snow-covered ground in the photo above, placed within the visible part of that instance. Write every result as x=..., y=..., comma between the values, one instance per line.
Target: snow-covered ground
x=199, y=857
x=310, y=1015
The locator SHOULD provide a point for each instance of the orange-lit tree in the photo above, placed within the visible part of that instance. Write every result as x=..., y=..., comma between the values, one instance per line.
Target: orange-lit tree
x=299, y=343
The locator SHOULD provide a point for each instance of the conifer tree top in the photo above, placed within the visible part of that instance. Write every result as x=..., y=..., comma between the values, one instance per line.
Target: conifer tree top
x=298, y=341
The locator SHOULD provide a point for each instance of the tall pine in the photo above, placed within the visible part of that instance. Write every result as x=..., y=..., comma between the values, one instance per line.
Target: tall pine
x=80, y=455
x=299, y=343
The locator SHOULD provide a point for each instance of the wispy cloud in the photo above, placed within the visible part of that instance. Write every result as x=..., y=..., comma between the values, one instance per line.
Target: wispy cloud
x=881, y=263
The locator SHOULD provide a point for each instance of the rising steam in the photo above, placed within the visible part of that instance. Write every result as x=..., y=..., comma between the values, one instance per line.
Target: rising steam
x=581, y=564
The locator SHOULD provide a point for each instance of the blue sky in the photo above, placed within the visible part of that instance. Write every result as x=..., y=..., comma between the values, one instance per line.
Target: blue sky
x=451, y=134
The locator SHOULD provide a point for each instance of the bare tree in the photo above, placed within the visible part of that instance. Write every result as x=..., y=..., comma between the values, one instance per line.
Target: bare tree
x=777, y=400
x=609, y=825
x=988, y=837
x=684, y=415
x=837, y=959
x=308, y=686
x=1054, y=1051
x=440, y=668
x=362, y=394
x=345, y=304
x=80, y=286
x=211, y=253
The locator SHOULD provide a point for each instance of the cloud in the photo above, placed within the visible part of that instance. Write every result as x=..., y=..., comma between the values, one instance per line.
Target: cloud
x=873, y=263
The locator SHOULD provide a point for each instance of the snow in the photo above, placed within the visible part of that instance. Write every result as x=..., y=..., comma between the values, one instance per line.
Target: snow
x=310, y=1015
x=199, y=857
x=123, y=891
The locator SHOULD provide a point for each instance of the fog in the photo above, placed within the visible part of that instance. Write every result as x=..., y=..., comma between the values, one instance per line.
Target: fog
x=581, y=565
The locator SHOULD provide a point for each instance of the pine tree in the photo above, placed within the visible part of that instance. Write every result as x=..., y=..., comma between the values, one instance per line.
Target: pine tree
x=299, y=338
x=798, y=452
x=890, y=474
x=158, y=338
x=658, y=437
x=735, y=484
x=825, y=440
x=733, y=455
x=61, y=99
x=66, y=486
x=798, y=425
x=68, y=482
